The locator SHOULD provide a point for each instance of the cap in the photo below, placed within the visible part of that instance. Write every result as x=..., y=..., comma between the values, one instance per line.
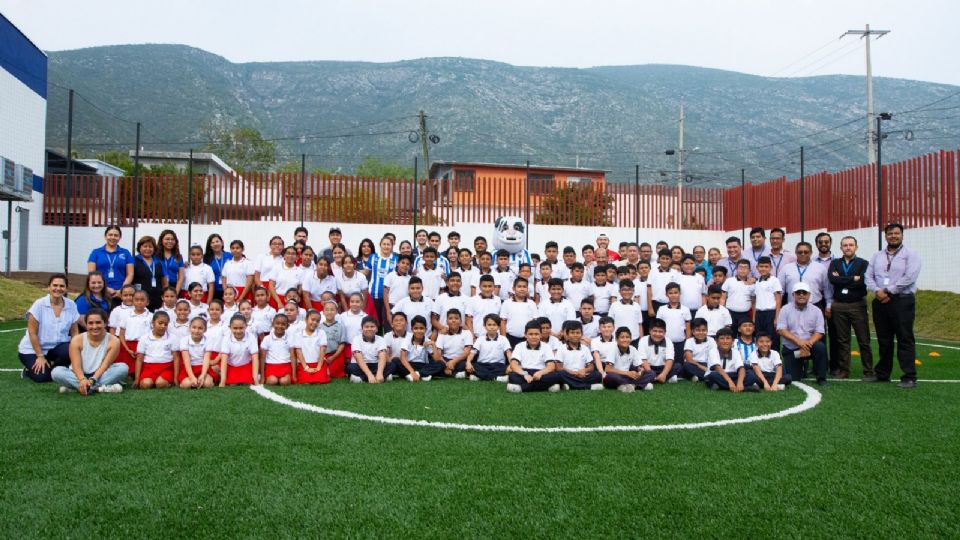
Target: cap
x=801, y=287
x=335, y=230
x=602, y=235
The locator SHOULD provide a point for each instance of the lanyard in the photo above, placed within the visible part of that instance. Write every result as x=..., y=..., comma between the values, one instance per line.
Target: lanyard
x=846, y=267
x=890, y=258
x=112, y=261
x=219, y=262
x=756, y=258
x=802, y=272
x=776, y=264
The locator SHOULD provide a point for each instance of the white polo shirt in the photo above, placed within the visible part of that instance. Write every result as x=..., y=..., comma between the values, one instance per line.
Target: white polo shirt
x=278, y=348
x=199, y=310
x=266, y=265
x=237, y=272
x=557, y=312
x=155, y=350
x=739, y=295
x=395, y=343
x=576, y=292
x=605, y=349
x=624, y=360
x=197, y=273
x=716, y=318
x=353, y=324
x=491, y=351
x=317, y=287
x=137, y=325
x=417, y=353
x=768, y=363
x=535, y=359
x=628, y=315
x=445, y=303
x=602, y=295
x=692, y=289
x=658, y=283
x=765, y=291
x=452, y=345
x=239, y=352
x=655, y=355
x=309, y=345
x=700, y=351
x=676, y=319
x=357, y=283
x=432, y=281
x=261, y=320
x=730, y=365
x=518, y=314
x=574, y=359
x=117, y=316
x=479, y=307
x=411, y=309
x=398, y=286
x=591, y=329
x=369, y=351
x=195, y=349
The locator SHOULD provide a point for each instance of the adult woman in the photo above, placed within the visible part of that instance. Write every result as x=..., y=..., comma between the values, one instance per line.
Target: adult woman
x=93, y=295
x=148, y=273
x=170, y=257
x=263, y=272
x=364, y=253
x=216, y=257
x=92, y=369
x=113, y=261
x=51, y=321
x=337, y=253
x=713, y=257
x=405, y=248
x=452, y=255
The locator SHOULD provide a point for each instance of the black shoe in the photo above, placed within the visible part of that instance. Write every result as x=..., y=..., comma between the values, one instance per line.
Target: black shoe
x=907, y=384
x=822, y=382
x=870, y=378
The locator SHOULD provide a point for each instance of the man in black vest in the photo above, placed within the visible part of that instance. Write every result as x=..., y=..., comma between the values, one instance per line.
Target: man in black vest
x=847, y=275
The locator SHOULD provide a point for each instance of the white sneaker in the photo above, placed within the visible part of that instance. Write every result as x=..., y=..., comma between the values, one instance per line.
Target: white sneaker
x=388, y=378
x=554, y=388
x=426, y=379
x=672, y=380
x=66, y=390
x=648, y=387
x=781, y=387
x=596, y=386
x=409, y=377
x=474, y=378
x=460, y=375
x=515, y=388
x=564, y=387
x=503, y=378
x=114, y=388
x=694, y=379
x=626, y=388
x=356, y=380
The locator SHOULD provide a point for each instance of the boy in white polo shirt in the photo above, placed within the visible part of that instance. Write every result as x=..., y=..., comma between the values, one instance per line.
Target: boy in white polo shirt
x=533, y=367
x=579, y=369
x=767, y=366
x=627, y=312
x=677, y=317
x=556, y=308
x=490, y=355
x=657, y=351
x=716, y=315
x=768, y=297
x=727, y=370
x=517, y=312
x=697, y=351
x=485, y=302
x=739, y=294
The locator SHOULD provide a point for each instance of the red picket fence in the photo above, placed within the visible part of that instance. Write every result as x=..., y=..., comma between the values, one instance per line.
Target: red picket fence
x=918, y=192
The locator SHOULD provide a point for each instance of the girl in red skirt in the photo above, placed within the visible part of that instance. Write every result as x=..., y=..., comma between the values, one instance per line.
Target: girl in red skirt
x=155, y=355
x=237, y=354
x=318, y=286
x=276, y=354
x=338, y=350
x=133, y=327
x=310, y=346
x=263, y=271
x=195, y=358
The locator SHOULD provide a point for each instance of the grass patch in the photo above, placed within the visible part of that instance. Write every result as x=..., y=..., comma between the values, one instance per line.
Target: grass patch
x=938, y=315
x=16, y=297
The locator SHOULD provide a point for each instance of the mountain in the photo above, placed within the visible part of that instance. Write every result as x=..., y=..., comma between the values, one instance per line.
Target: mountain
x=610, y=117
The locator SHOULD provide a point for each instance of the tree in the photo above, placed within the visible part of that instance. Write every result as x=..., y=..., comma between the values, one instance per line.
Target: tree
x=118, y=158
x=355, y=205
x=242, y=148
x=374, y=167
x=575, y=205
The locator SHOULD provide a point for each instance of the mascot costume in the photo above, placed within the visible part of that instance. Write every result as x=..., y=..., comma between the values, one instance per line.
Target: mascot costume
x=510, y=234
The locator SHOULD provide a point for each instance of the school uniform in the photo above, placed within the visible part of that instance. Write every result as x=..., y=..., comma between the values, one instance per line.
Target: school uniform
x=591, y=328
x=558, y=311
x=601, y=298
x=178, y=330
x=765, y=308
x=490, y=360
x=657, y=354
x=157, y=357
x=196, y=351
x=768, y=366
x=420, y=358
x=370, y=354
x=603, y=349
x=170, y=311
x=285, y=278
x=118, y=315
x=316, y=287
x=411, y=308
x=215, y=332
x=505, y=279
x=628, y=314
x=237, y=273
x=541, y=291
x=357, y=283
x=448, y=301
x=658, y=281
x=700, y=351
x=628, y=360
x=731, y=363
x=692, y=289
x=433, y=281
x=240, y=355
x=517, y=315
x=468, y=277
x=746, y=349
x=309, y=347
x=640, y=295
x=335, y=336
x=199, y=310
x=452, y=345
x=677, y=319
x=531, y=361
x=717, y=318
x=278, y=362
x=574, y=359
x=576, y=291
x=398, y=286
x=478, y=307
x=352, y=324
x=196, y=273
x=395, y=343
x=739, y=301
x=261, y=319
x=135, y=326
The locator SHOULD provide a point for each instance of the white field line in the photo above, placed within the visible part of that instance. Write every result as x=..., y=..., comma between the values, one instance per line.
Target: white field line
x=895, y=381
x=812, y=399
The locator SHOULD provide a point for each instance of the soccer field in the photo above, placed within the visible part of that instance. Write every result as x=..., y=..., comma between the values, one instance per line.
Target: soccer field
x=867, y=460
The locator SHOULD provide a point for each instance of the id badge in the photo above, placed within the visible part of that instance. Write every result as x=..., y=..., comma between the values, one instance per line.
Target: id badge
x=845, y=291
x=886, y=281
x=153, y=284
x=110, y=274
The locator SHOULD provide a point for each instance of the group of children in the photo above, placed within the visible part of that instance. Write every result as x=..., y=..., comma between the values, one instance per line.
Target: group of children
x=627, y=328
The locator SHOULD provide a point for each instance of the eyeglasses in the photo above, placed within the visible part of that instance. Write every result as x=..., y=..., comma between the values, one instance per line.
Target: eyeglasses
x=803, y=252
x=800, y=292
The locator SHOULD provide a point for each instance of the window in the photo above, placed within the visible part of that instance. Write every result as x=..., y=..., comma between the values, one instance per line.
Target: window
x=464, y=181
x=581, y=181
x=541, y=184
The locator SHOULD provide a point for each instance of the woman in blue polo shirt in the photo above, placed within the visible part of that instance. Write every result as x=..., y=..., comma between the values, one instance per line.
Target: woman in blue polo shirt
x=216, y=256
x=168, y=251
x=51, y=322
x=113, y=261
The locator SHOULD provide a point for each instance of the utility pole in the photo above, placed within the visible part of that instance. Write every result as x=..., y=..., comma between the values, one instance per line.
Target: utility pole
x=136, y=190
x=679, y=219
x=68, y=187
x=871, y=133
x=426, y=162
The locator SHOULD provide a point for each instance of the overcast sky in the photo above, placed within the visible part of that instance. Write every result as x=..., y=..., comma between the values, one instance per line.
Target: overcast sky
x=775, y=37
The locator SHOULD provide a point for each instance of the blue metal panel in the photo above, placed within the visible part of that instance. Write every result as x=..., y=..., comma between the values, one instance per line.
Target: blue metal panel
x=22, y=59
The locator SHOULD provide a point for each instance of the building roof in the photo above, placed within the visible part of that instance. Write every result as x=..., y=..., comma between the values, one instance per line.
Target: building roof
x=184, y=156
x=57, y=164
x=437, y=164
x=103, y=166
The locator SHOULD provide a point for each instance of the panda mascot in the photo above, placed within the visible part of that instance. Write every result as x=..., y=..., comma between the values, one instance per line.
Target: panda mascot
x=510, y=234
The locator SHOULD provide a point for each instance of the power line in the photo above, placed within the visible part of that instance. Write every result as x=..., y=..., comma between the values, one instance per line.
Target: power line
x=804, y=57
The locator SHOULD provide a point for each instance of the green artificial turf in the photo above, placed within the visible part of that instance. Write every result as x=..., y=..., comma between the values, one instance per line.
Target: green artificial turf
x=870, y=461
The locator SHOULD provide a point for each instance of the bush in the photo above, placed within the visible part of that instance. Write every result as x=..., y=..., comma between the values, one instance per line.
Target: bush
x=356, y=205
x=575, y=205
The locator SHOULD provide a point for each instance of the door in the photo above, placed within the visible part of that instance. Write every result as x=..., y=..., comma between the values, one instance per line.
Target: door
x=24, y=238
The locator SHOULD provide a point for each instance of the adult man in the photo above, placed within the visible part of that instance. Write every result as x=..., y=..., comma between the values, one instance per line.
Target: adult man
x=646, y=252
x=300, y=234
x=633, y=255
x=603, y=242
x=779, y=257
x=814, y=275
x=758, y=245
x=335, y=236
x=420, y=237
x=892, y=276
x=824, y=244
x=847, y=277
x=801, y=327
x=734, y=254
